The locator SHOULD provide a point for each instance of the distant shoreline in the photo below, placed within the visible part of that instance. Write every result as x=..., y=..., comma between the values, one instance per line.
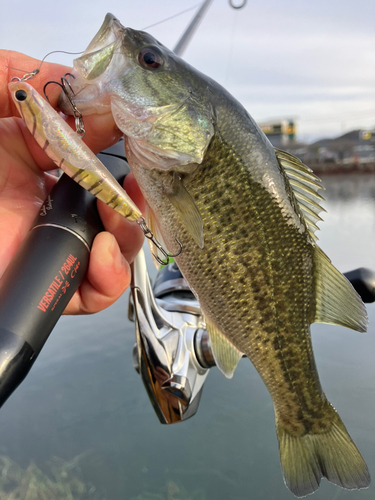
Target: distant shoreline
x=341, y=168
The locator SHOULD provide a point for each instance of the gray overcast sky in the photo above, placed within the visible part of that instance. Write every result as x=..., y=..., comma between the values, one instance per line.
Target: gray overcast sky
x=311, y=60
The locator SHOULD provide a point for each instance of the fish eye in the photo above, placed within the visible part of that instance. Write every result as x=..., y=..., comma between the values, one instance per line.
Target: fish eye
x=21, y=95
x=150, y=58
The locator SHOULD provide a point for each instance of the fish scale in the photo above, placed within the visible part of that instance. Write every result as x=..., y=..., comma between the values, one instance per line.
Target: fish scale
x=239, y=269
x=256, y=283
x=265, y=313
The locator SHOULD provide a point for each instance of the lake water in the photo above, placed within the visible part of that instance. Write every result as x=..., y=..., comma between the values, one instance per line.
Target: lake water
x=81, y=425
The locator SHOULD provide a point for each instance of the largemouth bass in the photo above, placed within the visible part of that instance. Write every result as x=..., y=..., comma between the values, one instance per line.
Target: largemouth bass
x=246, y=216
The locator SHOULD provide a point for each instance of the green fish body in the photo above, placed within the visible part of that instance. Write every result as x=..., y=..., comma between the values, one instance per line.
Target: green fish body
x=245, y=215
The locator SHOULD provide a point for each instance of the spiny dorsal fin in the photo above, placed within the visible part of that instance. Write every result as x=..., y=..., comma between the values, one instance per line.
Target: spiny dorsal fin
x=305, y=185
x=226, y=355
x=188, y=211
x=337, y=302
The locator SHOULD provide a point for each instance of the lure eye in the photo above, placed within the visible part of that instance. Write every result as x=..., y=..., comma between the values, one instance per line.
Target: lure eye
x=150, y=58
x=21, y=95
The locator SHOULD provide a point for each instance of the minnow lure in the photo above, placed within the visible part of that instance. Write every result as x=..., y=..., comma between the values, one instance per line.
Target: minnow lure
x=69, y=152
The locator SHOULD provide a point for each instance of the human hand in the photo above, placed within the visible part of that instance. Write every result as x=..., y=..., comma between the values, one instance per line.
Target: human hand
x=25, y=183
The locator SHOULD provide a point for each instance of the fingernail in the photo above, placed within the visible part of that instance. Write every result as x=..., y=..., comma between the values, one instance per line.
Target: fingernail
x=119, y=261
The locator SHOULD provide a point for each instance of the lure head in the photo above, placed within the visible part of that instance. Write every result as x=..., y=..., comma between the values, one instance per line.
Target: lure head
x=26, y=99
x=156, y=98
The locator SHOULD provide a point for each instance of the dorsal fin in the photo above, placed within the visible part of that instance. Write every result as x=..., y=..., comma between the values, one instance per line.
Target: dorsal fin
x=305, y=185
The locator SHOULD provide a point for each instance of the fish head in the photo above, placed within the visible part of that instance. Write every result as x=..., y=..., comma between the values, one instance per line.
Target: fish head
x=157, y=100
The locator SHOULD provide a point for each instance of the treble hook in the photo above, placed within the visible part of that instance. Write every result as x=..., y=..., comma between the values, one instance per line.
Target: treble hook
x=150, y=236
x=68, y=91
x=65, y=83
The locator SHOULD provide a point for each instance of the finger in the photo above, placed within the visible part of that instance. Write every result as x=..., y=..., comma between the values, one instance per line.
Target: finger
x=100, y=134
x=128, y=234
x=107, y=278
x=109, y=272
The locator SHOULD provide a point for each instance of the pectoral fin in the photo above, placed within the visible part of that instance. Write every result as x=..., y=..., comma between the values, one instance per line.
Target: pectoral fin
x=226, y=355
x=337, y=302
x=188, y=211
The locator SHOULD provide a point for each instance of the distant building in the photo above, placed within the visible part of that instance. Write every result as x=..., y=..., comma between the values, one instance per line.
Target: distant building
x=355, y=147
x=280, y=133
x=366, y=135
x=353, y=150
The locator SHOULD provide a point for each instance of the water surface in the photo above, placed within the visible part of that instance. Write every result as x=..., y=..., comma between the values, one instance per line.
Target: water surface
x=81, y=425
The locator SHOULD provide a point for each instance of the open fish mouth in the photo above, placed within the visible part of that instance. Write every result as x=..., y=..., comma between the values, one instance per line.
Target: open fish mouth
x=101, y=50
x=100, y=64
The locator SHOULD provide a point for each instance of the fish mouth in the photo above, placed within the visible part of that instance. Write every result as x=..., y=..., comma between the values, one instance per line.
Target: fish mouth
x=131, y=75
x=109, y=31
x=92, y=73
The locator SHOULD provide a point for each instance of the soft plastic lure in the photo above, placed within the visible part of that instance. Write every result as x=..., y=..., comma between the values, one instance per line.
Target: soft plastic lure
x=69, y=152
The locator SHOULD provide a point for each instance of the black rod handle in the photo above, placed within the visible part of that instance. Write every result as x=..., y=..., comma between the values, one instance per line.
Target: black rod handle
x=45, y=272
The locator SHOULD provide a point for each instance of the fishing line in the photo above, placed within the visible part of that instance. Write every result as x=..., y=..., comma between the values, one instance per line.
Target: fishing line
x=34, y=72
x=171, y=17
x=231, y=45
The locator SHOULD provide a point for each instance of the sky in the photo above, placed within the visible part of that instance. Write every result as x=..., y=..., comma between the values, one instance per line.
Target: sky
x=313, y=61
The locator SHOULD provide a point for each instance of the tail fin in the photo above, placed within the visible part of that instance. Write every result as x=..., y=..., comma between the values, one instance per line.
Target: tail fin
x=333, y=454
